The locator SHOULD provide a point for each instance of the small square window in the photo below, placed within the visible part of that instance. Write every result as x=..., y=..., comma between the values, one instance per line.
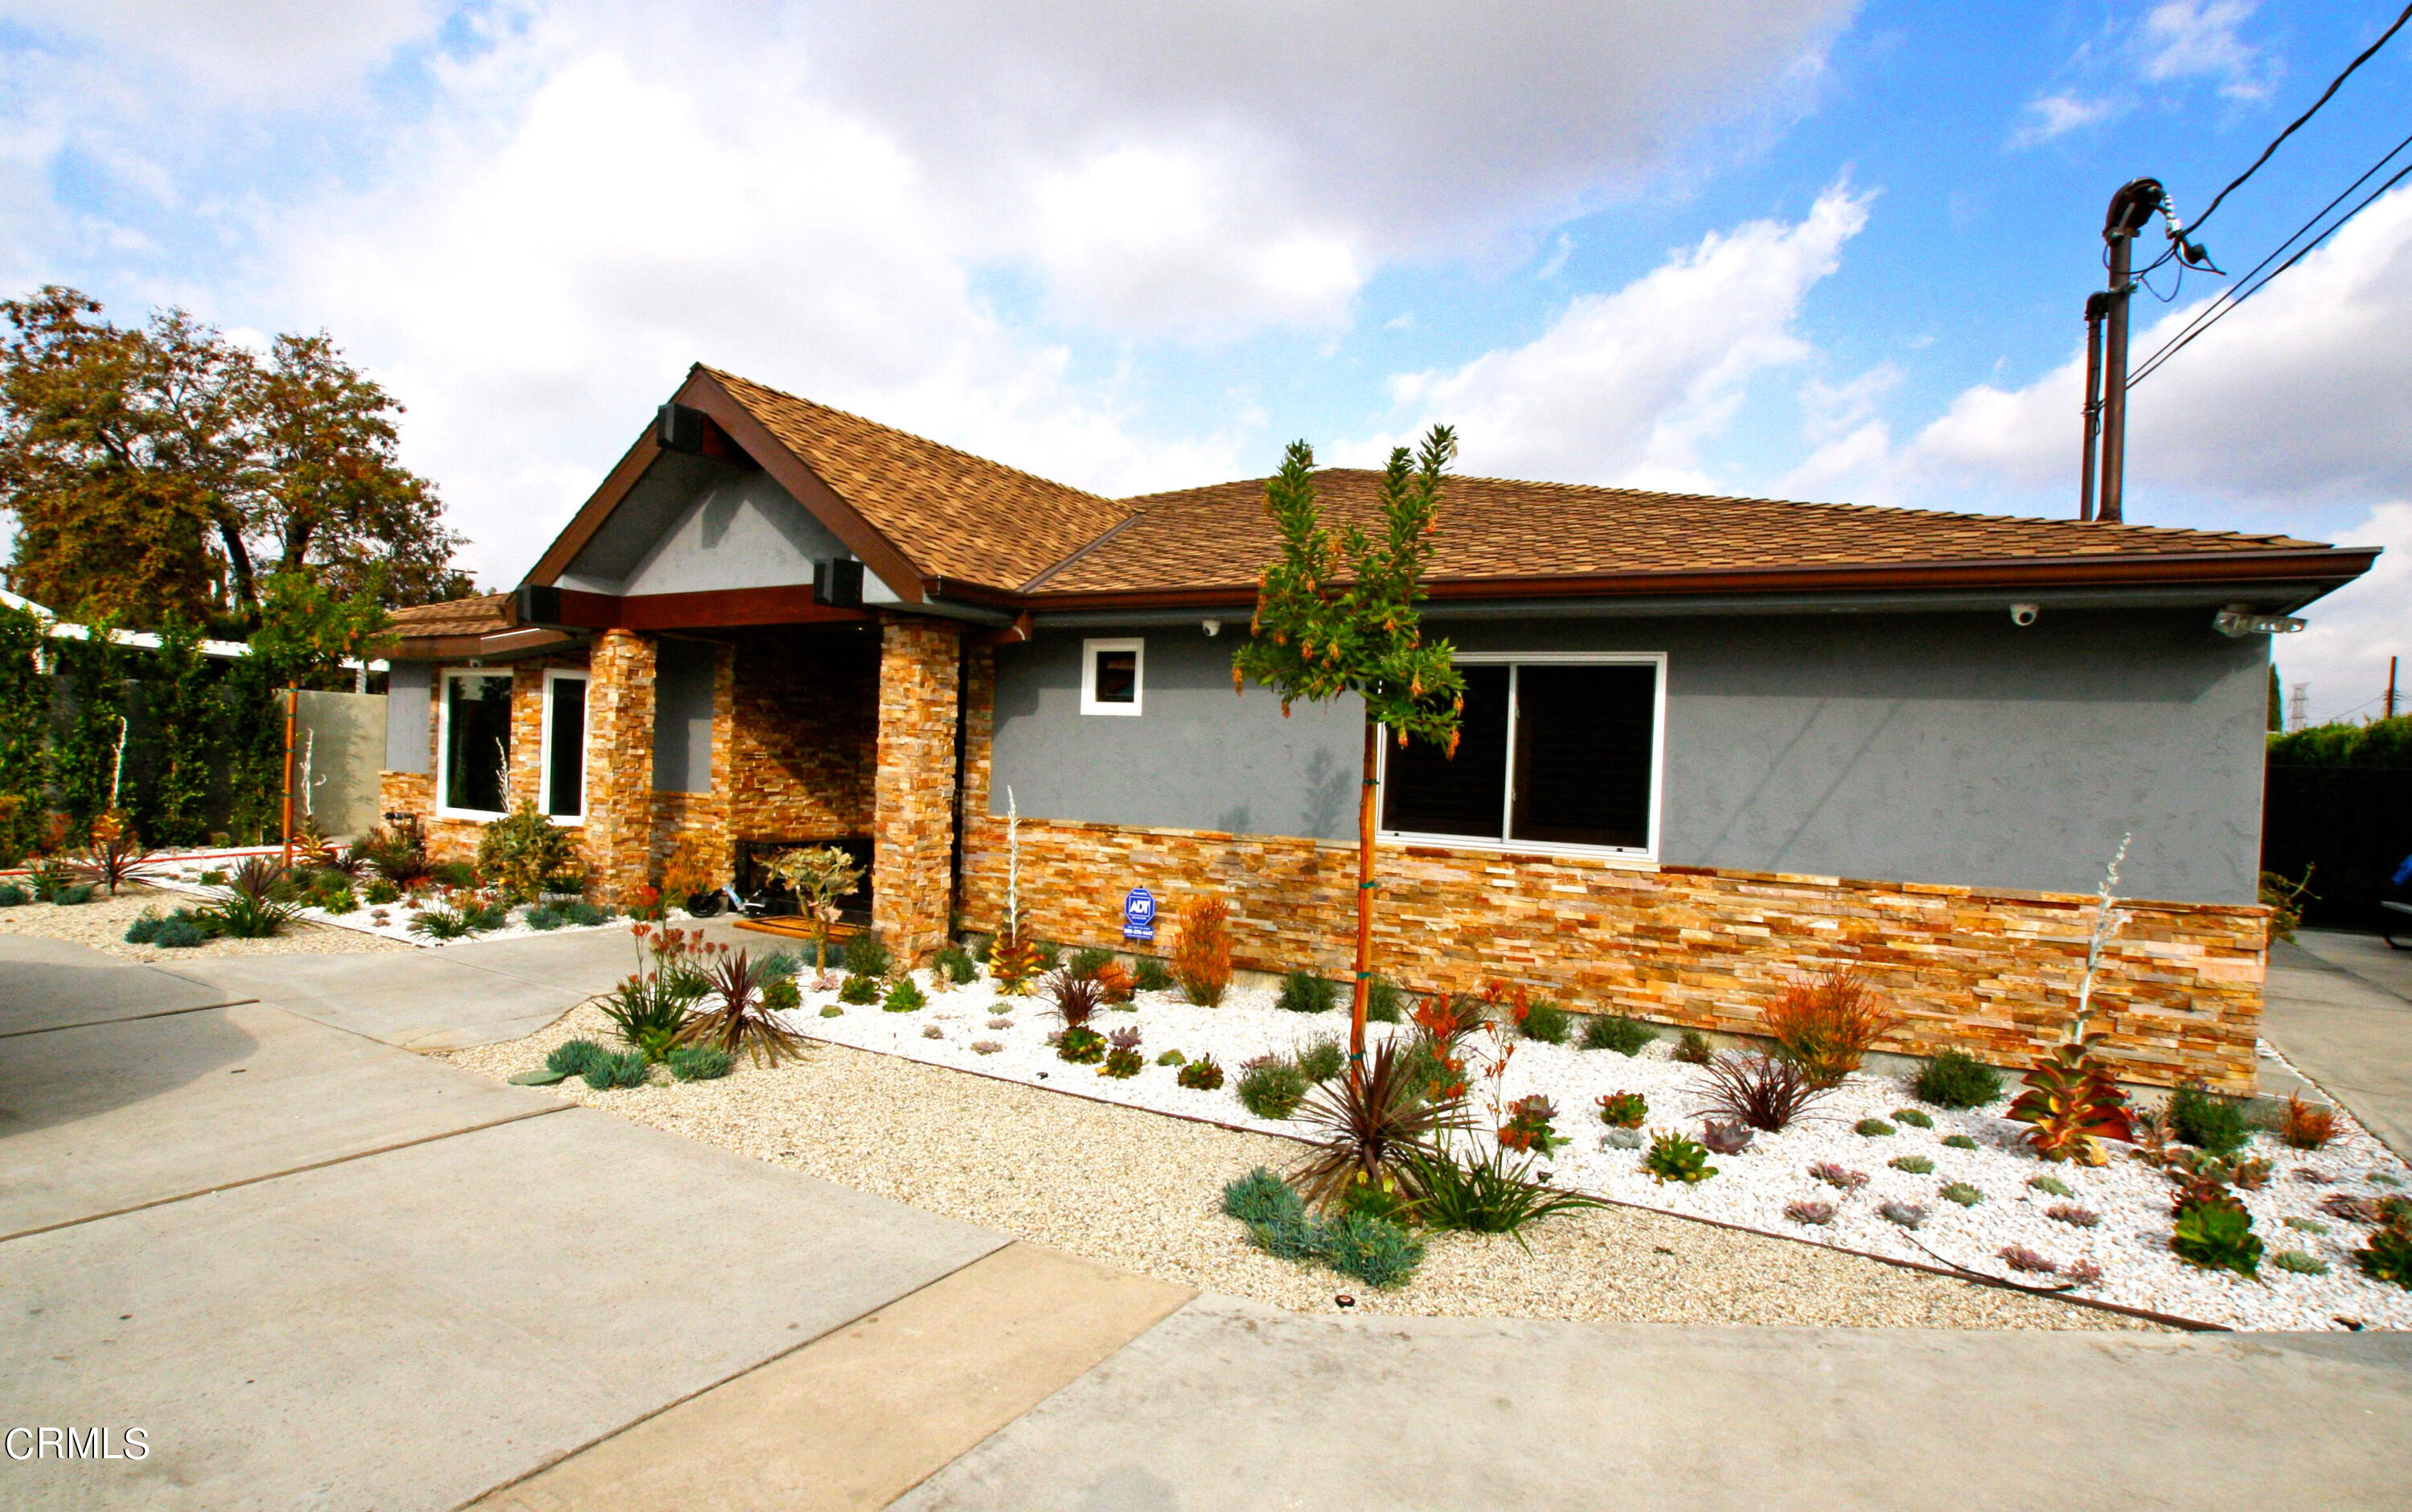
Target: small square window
x=1111, y=676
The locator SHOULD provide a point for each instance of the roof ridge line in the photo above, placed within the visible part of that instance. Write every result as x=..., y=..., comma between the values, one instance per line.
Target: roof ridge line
x=725, y=375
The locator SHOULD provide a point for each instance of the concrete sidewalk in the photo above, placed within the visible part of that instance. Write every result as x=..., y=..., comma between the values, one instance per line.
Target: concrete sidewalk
x=314, y=1269
x=479, y=993
x=2345, y=1031
x=1229, y=1405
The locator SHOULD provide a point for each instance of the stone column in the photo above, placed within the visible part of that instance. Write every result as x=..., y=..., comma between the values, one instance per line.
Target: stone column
x=913, y=790
x=620, y=764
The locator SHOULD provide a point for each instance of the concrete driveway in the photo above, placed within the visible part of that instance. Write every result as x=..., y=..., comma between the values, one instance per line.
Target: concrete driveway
x=2340, y=1006
x=314, y=1269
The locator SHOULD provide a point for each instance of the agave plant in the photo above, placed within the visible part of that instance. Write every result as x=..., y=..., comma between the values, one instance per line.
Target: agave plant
x=742, y=1023
x=1366, y=1124
x=2072, y=1103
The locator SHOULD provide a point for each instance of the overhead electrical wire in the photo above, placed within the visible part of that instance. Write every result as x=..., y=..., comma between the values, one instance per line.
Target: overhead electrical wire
x=2246, y=287
x=2364, y=57
x=2292, y=125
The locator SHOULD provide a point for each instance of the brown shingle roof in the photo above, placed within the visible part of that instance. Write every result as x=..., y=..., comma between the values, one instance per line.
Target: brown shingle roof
x=1219, y=535
x=478, y=616
x=953, y=514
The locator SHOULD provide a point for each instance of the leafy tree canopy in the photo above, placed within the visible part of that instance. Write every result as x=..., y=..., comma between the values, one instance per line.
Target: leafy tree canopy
x=1337, y=612
x=166, y=471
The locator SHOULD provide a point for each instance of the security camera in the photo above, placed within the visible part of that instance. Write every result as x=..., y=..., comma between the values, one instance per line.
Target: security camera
x=1212, y=628
x=2023, y=614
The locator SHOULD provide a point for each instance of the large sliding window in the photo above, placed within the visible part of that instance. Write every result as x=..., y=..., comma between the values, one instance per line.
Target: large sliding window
x=1555, y=752
x=475, y=738
x=563, y=782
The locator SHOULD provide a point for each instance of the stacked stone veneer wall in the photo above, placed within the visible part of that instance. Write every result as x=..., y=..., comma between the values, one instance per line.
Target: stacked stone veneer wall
x=620, y=820
x=913, y=821
x=803, y=727
x=415, y=792
x=1992, y=973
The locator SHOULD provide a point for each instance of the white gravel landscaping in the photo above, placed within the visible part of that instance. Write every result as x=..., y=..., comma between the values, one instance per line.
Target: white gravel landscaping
x=387, y=922
x=2130, y=1244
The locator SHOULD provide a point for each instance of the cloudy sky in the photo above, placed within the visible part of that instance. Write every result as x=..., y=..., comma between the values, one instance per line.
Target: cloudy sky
x=1820, y=250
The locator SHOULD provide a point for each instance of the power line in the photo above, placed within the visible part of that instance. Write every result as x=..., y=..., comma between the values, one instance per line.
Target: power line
x=2293, y=125
x=2246, y=287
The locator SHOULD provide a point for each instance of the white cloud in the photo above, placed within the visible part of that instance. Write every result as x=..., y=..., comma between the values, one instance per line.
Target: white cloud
x=254, y=51
x=2218, y=421
x=2057, y=114
x=2194, y=39
x=2341, y=655
x=1623, y=387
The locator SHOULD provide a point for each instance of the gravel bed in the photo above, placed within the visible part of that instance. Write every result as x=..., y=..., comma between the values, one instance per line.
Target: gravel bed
x=389, y=922
x=101, y=924
x=1124, y=1186
x=2130, y=1244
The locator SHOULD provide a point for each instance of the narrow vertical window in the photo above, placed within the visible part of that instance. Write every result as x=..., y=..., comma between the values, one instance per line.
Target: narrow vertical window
x=565, y=745
x=1111, y=676
x=476, y=738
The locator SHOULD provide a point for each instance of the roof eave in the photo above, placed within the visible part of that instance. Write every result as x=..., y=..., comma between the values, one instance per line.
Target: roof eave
x=2314, y=571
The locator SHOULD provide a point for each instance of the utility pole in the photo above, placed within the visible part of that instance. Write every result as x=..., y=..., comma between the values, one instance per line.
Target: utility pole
x=2391, y=687
x=2298, y=707
x=2136, y=202
x=2097, y=306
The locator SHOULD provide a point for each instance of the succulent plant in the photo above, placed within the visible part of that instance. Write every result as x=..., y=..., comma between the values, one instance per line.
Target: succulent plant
x=1915, y=1165
x=2072, y=1103
x=1726, y=1136
x=1622, y=1109
x=1872, y=1129
x=1907, y=1215
x=2018, y=1257
x=2069, y=1213
x=1958, y=1141
x=2052, y=1184
x=1674, y=1158
x=1200, y=1075
x=1809, y=1211
x=1838, y=1177
x=986, y=1046
x=1963, y=1194
x=2300, y=1263
x=1913, y=1117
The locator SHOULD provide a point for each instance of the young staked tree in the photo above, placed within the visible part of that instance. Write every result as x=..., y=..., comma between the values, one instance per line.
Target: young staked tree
x=1338, y=614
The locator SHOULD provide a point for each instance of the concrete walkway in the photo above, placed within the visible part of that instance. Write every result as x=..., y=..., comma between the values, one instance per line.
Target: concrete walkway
x=316, y=1269
x=2337, y=1006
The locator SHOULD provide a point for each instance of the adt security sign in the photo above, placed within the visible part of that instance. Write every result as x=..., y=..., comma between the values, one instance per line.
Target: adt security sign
x=1139, y=915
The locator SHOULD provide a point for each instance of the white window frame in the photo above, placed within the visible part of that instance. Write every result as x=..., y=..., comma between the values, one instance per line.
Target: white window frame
x=1646, y=856
x=1089, y=649
x=443, y=805
x=585, y=734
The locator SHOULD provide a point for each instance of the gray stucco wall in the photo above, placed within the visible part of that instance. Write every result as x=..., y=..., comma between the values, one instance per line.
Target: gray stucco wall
x=341, y=737
x=1945, y=748
x=409, y=688
x=691, y=525
x=682, y=717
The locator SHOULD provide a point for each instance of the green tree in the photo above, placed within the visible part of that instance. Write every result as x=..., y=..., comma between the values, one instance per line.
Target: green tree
x=180, y=702
x=88, y=741
x=24, y=731
x=1337, y=614
x=165, y=471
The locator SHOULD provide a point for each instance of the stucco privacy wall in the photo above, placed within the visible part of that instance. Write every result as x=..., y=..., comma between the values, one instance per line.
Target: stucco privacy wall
x=1942, y=748
x=1991, y=971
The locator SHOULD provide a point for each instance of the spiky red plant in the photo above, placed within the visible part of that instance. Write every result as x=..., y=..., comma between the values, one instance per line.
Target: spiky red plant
x=741, y=1022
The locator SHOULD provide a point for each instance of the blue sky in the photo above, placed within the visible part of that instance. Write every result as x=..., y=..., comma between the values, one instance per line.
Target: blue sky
x=1812, y=250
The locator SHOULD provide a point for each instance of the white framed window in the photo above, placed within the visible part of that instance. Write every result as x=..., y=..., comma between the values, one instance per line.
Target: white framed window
x=472, y=745
x=561, y=786
x=1559, y=752
x=1114, y=675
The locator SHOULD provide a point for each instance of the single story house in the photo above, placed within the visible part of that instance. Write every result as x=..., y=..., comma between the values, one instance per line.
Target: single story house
x=1709, y=743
